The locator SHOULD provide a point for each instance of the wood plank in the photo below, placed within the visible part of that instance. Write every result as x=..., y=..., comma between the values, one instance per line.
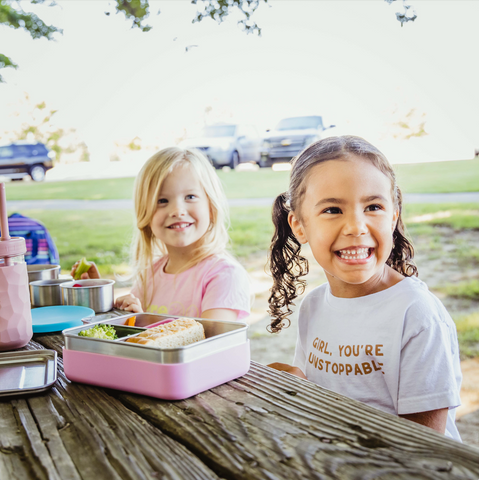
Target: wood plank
x=269, y=424
x=75, y=431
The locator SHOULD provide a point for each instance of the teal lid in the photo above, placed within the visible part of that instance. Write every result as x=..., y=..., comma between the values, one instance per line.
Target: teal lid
x=58, y=318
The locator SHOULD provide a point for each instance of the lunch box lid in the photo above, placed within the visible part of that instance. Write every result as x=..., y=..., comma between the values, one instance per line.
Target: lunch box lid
x=59, y=317
x=27, y=371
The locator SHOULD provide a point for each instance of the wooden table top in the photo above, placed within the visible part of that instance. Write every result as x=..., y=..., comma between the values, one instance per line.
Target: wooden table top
x=264, y=425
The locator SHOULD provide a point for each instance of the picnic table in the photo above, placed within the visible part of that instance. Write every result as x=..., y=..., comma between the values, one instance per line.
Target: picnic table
x=264, y=425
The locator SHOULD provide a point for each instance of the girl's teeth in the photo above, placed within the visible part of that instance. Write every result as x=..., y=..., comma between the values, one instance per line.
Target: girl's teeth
x=359, y=254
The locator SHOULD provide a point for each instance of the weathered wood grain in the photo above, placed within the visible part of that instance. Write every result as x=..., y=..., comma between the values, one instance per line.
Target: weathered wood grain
x=75, y=432
x=271, y=425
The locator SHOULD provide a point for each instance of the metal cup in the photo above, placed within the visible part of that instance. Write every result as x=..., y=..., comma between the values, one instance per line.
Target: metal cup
x=42, y=272
x=46, y=293
x=93, y=293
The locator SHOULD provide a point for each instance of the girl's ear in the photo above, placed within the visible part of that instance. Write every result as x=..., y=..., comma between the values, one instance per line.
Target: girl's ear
x=297, y=228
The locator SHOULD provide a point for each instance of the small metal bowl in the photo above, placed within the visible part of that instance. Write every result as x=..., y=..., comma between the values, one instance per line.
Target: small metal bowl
x=93, y=293
x=42, y=272
x=47, y=293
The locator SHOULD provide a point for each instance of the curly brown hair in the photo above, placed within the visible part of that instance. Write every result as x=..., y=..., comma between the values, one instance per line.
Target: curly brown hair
x=286, y=263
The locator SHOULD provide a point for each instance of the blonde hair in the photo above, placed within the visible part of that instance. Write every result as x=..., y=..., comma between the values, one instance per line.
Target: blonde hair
x=146, y=248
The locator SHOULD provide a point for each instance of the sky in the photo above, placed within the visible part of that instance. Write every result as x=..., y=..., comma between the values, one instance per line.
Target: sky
x=349, y=61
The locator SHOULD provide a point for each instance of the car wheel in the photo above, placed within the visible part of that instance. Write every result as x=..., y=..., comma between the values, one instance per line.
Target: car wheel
x=262, y=163
x=37, y=172
x=235, y=160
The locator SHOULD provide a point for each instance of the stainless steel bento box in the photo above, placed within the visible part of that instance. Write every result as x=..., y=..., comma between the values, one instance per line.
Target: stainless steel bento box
x=168, y=373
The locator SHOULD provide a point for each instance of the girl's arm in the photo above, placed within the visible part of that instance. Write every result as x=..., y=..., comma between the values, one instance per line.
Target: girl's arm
x=284, y=367
x=221, y=314
x=435, y=419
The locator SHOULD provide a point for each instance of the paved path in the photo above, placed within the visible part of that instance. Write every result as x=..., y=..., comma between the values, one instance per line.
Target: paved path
x=467, y=197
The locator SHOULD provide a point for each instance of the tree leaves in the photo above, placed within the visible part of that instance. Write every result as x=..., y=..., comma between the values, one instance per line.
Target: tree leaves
x=139, y=10
x=6, y=62
x=219, y=9
x=30, y=22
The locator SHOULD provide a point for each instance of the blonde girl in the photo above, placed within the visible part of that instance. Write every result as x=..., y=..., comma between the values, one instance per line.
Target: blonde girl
x=179, y=254
x=373, y=332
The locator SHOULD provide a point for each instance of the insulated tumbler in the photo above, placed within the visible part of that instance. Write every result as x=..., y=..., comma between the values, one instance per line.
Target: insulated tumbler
x=15, y=312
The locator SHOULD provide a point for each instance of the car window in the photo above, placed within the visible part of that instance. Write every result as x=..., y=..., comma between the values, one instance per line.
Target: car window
x=218, y=131
x=299, y=123
x=41, y=149
x=6, y=152
x=22, y=151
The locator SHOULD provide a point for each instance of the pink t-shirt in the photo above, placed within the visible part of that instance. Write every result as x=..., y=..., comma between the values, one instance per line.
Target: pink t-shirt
x=216, y=282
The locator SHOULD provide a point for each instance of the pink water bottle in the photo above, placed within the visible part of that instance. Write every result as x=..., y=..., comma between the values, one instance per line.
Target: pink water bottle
x=15, y=310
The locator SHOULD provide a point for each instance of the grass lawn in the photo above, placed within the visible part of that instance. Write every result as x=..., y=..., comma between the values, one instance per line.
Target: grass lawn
x=104, y=236
x=437, y=177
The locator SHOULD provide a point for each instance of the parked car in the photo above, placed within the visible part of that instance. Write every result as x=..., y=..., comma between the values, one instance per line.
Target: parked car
x=20, y=159
x=228, y=144
x=289, y=137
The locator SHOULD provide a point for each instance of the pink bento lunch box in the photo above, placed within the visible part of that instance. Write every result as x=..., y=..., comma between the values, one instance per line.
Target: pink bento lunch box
x=166, y=373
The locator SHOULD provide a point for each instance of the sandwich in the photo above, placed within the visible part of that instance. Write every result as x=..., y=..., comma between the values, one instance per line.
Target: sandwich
x=178, y=333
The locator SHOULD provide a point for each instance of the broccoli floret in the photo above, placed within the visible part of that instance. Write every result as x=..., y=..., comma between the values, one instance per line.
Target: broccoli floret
x=101, y=330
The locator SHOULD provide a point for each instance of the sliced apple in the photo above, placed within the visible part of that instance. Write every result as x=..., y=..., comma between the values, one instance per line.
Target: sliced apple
x=83, y=267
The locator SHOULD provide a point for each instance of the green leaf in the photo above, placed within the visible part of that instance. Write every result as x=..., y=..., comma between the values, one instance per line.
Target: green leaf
x=30, y=22
x=137, y=10
x=6, y=62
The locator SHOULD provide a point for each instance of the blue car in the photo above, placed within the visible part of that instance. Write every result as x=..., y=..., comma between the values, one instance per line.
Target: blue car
x=21, y=159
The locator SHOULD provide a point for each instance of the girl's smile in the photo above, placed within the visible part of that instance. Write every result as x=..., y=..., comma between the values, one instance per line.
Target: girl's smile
x=179, y=226
x=358, y=254
x=347, y=215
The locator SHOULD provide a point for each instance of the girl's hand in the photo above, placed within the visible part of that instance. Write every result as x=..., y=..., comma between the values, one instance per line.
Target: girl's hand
x=284, y=367
x=93, y=271
x=129, y=303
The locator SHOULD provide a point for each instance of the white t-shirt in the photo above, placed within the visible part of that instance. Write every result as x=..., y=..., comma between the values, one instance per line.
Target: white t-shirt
x=216, y=282
x=395, y=350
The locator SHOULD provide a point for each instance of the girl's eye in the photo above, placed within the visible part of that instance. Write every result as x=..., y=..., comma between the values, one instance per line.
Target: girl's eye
x=373, y=208
x=332, y=210
x=162, y=201
x=190, y=197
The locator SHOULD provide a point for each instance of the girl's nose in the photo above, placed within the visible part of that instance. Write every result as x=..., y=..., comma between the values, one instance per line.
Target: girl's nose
x=355, y=225
x=178, y=210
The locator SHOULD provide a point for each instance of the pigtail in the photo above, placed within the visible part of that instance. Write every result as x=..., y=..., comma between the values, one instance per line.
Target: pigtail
x=402, y=254
x=286, y=267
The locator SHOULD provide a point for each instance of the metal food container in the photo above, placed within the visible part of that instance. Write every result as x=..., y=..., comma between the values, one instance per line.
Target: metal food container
x=167, y=373
x=27, y=372
x=93, y=293
x=46, y=293
x=42, y=272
